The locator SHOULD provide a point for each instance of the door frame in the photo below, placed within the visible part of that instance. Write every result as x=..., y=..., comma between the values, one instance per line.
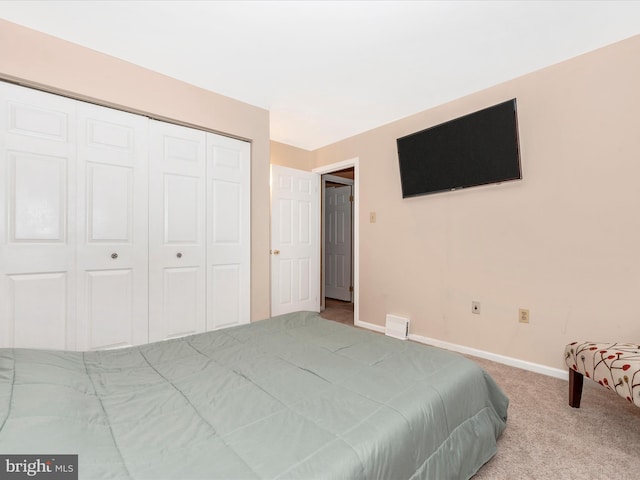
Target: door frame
x=334, y=167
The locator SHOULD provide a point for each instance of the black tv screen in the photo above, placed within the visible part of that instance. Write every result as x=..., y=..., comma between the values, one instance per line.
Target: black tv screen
x=476, y=149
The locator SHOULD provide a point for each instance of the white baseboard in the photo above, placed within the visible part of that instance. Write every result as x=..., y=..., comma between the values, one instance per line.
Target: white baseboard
x=510, y=361
x=369, y=326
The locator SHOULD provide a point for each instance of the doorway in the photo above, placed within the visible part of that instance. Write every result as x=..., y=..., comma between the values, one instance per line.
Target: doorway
x=339, y=242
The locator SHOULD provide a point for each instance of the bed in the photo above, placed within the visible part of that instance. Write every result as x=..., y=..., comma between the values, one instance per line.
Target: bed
x=290, y=397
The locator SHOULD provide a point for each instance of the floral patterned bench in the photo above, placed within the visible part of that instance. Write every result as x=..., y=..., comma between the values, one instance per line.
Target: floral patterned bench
x=615, y=366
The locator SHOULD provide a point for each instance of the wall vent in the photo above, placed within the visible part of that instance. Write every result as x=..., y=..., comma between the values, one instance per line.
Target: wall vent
x=397, y=327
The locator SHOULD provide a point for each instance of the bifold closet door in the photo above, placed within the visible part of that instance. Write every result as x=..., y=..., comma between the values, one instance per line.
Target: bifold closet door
x=112, y=220
x=177, y=249
x=37, y=222
x=228, y=231
x=115, y=229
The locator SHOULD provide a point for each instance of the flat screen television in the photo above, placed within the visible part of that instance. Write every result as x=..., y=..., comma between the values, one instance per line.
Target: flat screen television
x=477, y=149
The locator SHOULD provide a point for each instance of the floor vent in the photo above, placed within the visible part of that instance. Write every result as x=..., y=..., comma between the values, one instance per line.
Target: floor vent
x=397, y=327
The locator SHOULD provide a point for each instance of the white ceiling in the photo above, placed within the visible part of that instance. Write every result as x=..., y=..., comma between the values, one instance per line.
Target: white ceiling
x=327, y=70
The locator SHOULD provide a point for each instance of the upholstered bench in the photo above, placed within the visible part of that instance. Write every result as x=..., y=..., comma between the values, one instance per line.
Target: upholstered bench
x=615, y=366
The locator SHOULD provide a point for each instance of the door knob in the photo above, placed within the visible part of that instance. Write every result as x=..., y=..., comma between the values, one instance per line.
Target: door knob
x=114, y=255
x=179, y=255
x=276, y=252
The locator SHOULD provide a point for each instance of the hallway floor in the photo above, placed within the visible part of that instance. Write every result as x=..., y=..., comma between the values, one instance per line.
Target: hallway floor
x=338, y=311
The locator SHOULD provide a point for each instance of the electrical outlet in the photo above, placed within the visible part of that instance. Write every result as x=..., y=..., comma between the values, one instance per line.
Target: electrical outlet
x=523, y=315
x=475, y=307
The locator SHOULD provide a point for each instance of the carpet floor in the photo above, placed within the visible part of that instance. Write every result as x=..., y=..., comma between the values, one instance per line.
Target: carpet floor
x=547, y=439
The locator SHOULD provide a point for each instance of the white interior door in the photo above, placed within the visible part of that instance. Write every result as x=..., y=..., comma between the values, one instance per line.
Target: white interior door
x=37, y=219
x=338, y=245
x=228, y=231
x=176, y=231
x=295, y=241
x=112, y=228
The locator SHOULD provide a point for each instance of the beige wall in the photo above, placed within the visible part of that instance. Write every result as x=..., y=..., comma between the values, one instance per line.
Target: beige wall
x=39, y=60
x=564, y=242
x=293, y=157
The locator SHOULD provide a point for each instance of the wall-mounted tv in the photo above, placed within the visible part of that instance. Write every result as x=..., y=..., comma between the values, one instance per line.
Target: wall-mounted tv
x=477, y=149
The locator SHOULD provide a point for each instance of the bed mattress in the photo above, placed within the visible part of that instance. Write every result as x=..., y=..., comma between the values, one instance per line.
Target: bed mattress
x=294, y=396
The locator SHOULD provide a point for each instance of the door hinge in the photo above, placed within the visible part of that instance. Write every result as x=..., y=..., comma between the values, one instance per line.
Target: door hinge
x=351, y=198
x=351, y=289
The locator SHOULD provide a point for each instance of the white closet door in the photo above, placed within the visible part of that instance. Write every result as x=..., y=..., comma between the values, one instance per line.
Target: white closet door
x=112, y=228
x=37, y=226
x=176, y=231
x=228, y=231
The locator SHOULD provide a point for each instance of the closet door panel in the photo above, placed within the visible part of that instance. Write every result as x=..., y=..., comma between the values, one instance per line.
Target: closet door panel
x=228, y=236
x=109, y=296
x=39, y=309
x=228, y=300
x=109, y=198
x=177, y=272
x=37, y=224
x=113, y=228
x=182, y=222
x=180, y=305
x=37, y=198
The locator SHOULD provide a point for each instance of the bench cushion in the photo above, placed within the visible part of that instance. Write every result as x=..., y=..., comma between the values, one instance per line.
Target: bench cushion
x=615, y=366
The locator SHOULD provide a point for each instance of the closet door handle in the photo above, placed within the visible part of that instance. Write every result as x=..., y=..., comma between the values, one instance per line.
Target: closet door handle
x=114, y=255
x=179, y=255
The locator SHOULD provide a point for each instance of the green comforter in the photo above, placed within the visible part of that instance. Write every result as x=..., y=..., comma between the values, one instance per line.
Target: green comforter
x=293, y=396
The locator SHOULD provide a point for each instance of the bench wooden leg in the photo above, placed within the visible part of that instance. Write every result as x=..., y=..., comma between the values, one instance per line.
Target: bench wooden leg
x=575, y=388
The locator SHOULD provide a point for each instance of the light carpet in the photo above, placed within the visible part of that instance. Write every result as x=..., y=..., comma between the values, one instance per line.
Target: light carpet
x=547, y=439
